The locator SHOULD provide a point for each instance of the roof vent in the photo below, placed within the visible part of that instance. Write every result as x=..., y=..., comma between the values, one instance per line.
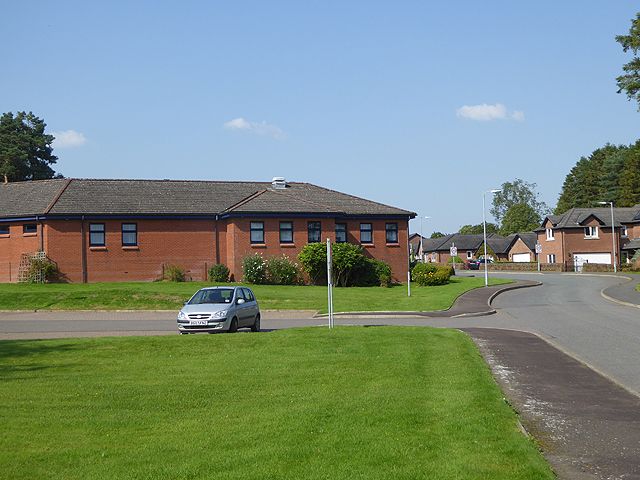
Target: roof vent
x=279, y=183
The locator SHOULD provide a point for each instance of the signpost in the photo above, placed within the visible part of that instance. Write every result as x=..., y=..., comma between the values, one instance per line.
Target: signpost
x=538, y=252
x=453, y=251
x=329, y=284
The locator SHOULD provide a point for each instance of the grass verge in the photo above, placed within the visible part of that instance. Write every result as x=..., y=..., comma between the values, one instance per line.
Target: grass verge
x=170, y=296
x=350, y=403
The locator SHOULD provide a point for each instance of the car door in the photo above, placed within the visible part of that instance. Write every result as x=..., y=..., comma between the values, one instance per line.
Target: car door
x=252, y=305
x=241, y=308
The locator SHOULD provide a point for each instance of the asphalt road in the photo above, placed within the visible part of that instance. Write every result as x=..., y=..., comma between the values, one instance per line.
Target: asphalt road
x=567, y=310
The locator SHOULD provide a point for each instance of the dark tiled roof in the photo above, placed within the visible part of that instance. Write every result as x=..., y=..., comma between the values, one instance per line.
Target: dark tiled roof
x=171, y=197
x=529, y=238
x=22, y=199
x=632, y=245
x=576, y=217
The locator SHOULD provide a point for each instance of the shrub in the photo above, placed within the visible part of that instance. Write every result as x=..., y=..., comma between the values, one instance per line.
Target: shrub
x=458, y=260
x=281, y=271
x=174, y=273
x=313, y=258
x=254, y=269
x=219, y=273
x=383, y=272
x=429, y=274
x=347, y=260
x=42, y=270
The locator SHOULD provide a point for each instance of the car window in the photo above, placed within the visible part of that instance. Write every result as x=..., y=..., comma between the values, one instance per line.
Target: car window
x=239, y=293
x=218, y=295
x=248, y=295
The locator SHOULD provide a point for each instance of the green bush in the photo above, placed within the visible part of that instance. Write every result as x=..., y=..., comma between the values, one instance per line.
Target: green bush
x=254, y=269
x=313, y=258
x=219, y=273
x=347, y=260
x=383, y=272
x=429, y=274
x=456, y=258
x=282, y=271
x=174, y=273
x=42, y=270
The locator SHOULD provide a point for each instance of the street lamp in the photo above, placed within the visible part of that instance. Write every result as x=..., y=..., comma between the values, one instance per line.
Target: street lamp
x=613, y=236
x=421, y=237
x=484, y=229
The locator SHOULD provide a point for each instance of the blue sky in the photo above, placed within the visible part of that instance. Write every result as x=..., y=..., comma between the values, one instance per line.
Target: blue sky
x=363, y=97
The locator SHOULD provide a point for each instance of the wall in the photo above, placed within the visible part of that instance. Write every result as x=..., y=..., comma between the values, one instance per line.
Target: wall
x=520, y=247
x=12, y=246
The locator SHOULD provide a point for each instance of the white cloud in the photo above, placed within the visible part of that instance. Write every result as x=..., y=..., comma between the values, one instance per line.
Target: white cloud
x=259, y=128
x=486, y=113
x=68, y=139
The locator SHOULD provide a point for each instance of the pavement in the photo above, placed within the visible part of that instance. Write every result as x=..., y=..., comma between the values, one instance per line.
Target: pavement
x=624, y=293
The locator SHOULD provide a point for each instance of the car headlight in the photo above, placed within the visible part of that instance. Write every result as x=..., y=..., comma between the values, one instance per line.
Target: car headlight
x=220, y=314
x=182, y=315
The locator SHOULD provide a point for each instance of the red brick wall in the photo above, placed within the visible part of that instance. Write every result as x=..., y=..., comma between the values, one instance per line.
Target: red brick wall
x=239, y=244
x=520, y=247
x=12, y=246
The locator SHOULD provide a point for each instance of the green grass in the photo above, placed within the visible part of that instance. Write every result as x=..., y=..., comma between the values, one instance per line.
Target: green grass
x=171, y=296
x=349, y=403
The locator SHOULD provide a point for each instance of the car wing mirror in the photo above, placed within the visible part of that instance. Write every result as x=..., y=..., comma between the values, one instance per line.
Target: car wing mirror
x=240, y=301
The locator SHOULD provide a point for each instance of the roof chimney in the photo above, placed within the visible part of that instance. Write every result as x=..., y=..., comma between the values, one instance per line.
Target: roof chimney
x=279, y=183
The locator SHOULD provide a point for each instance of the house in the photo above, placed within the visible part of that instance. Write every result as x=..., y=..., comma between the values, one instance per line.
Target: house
x=511, y=248
x=586, y=235
x=118, y=230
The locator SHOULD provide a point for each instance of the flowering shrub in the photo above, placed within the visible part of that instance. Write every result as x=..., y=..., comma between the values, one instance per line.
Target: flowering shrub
x=282, y=271
x=254, y=269
x=428, y=274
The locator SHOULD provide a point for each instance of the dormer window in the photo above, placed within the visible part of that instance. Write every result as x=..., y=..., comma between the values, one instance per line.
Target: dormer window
x=550, y=234
x=590, y=232
x=624, y=232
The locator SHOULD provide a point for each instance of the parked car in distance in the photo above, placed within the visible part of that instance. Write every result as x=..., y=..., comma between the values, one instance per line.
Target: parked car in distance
x=475, y=264
x=220, y=309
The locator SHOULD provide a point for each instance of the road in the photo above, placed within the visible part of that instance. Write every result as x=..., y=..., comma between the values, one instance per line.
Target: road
x=567, y=310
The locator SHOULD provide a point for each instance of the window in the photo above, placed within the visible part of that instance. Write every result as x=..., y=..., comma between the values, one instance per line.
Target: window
x=366, y=233
x=550, y=234
x=314, y=231
x=96, y=235
x=29, y=228
x=469, y=254
x=286, y=232
x=623, y=231
x=392, y=232
x=591, y=232
x=129, y=235
x=551, y=258
x=341, y=233
x=4, y=229
x=257, y=232
x=248, y=296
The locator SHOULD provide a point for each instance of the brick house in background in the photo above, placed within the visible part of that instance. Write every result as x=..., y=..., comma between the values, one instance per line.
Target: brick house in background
x=584, y=235
x=119, y=230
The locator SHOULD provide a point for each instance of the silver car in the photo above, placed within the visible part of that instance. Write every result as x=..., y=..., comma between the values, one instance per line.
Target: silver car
x=219, y=309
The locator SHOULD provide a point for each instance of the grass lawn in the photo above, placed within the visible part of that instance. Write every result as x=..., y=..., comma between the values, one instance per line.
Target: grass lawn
x=171, y=296
x=349, y=403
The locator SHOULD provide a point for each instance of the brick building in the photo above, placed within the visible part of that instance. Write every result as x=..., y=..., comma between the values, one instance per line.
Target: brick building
x=119, y=230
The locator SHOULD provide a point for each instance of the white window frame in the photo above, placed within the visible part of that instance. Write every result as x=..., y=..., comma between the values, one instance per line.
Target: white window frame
x=469, y=254
x=550, y=234
x=591, y=232
x=624, y=231
x=551, y=258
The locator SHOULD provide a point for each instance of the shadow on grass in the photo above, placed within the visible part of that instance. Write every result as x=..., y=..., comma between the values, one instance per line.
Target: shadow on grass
x=34, y=352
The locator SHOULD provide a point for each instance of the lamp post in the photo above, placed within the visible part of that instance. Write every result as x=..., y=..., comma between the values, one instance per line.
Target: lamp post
x=421, y=237
x=613, y=236
x=484, y=230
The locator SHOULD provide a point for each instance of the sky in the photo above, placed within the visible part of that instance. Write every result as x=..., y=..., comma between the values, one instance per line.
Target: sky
x=421, y=105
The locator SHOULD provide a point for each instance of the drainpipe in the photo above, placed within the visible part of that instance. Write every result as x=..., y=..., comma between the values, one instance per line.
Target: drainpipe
x=40, y=234
x=83, y=256
x=217, y=241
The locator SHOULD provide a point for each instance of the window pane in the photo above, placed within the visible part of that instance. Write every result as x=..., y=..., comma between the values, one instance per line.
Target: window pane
x=4, y=229
x=129, y=238
x=341, y=232
x=314, y=232
x=257, y=232
x=392, y=232
x=286, y=232
x=30, y=228
x=366, y=233
x=96, y=239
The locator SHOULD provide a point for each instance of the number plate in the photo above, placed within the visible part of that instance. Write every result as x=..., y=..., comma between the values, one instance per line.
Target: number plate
x=197, y=322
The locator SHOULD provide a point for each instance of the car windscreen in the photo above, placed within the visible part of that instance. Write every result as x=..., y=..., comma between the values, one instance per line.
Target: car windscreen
x=219, y=295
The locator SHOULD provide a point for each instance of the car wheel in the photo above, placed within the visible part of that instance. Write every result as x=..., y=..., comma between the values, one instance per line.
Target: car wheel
x=233, y=327
x=256, y=324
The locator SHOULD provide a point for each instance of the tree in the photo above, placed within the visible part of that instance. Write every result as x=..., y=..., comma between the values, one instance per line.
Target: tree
x=437, y=235
x=629, y=193
x=477, y=229
x=629, y=82
x=520, y=218
x=516, y=192
x=25, y=149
